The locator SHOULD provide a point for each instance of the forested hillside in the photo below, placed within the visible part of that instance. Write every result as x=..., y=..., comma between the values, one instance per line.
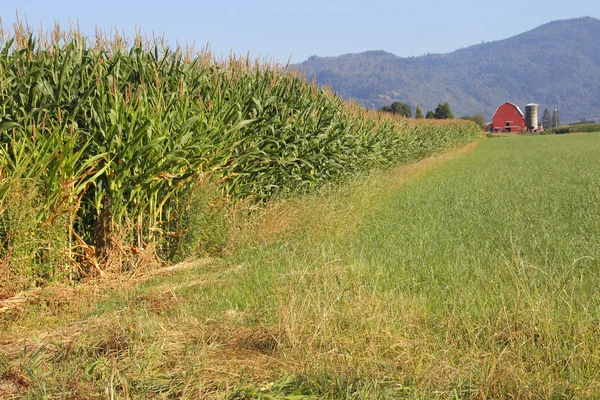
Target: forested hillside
x=556, y=63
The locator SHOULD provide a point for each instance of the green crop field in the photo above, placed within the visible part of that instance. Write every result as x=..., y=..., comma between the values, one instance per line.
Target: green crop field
x=473, y=274
x=115, y=158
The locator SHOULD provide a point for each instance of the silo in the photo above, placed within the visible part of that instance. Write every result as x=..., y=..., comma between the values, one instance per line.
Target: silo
x=531, y=117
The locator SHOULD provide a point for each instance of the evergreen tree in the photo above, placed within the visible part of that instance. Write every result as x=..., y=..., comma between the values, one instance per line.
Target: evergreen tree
x=546, y=119
x=418, y=112
x=429, y=115
x=442, y=111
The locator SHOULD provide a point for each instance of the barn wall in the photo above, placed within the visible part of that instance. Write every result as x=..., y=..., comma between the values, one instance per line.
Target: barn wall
x=508, y=112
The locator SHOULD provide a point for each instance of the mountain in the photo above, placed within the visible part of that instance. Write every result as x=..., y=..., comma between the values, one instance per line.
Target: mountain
x=556, y=63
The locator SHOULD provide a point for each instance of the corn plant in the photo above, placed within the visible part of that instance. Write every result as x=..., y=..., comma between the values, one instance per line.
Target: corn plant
x=116, y=135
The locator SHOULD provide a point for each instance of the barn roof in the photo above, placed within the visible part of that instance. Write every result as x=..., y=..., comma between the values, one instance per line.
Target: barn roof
x=512, y=104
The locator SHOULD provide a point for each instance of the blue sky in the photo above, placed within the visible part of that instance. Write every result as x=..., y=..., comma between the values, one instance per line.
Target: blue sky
x=281, y=30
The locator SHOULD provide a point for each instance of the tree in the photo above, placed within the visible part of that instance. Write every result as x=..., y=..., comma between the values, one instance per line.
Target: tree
x=478, y=118
x=442, y=111
x=430, y=115
x=546, y=119
x=401, y=109
x=418, y=112
x=583, y=122
x=398, y=108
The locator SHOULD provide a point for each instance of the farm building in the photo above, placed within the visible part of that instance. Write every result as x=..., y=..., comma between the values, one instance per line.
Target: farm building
x=509, y=118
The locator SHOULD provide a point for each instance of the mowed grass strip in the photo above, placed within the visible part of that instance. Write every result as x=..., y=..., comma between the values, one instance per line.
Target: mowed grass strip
x=475, y=278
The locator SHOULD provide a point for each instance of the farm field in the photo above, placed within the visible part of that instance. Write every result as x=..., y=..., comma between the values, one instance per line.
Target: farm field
x=118, y=158
x=472, y=274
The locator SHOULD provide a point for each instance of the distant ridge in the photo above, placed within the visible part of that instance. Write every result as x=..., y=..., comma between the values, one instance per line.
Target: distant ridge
x=557, y=63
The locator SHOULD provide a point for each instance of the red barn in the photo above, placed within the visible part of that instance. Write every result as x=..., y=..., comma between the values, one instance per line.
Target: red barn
x=508, y=118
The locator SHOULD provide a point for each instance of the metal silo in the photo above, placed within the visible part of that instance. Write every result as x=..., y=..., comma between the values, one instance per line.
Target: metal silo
x=531, y=117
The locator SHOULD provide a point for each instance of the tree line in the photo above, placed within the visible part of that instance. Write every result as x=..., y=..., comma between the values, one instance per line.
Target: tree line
x=549, y=119
x=442, y=111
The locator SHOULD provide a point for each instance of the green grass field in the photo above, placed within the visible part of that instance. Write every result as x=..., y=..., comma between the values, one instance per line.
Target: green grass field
x=470, y=275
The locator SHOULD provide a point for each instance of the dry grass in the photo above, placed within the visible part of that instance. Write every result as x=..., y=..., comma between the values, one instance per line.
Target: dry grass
x=51, y=331
x=9, y=281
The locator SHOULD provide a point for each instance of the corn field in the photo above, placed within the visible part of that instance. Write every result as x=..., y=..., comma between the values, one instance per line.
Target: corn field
x=104, y=143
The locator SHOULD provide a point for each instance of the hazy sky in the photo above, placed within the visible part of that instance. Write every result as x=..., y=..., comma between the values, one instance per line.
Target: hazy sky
x=283, y=29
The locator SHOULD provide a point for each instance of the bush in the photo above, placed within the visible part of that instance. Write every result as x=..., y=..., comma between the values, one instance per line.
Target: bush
x=575, y=128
